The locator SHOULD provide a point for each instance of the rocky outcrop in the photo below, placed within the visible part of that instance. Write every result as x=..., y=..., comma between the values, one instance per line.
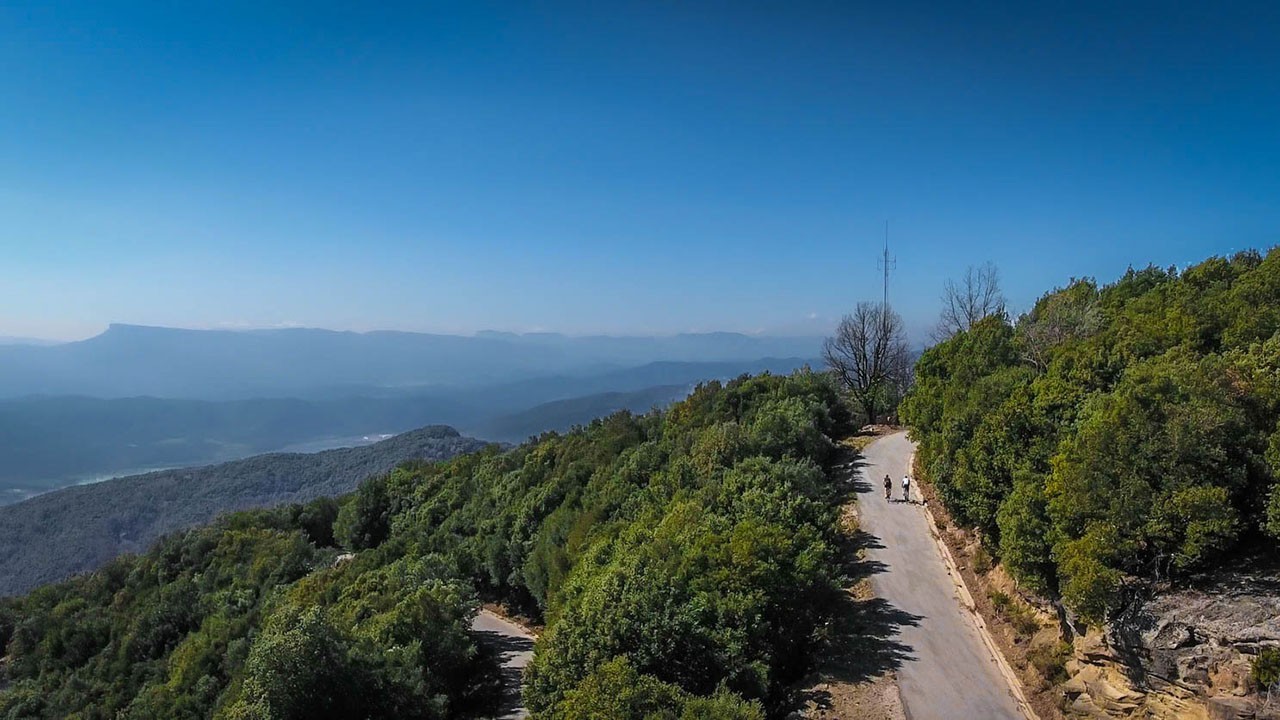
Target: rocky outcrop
x=1101, y=686
x=1184, y=654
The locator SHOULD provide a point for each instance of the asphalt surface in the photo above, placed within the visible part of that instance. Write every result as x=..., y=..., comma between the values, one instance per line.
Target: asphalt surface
x=945, y=669
x=516, y=647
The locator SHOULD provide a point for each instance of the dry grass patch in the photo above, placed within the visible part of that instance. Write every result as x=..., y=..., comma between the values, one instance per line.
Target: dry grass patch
x=858, y=443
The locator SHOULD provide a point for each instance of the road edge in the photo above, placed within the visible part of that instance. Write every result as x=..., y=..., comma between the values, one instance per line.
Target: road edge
x=966, y=600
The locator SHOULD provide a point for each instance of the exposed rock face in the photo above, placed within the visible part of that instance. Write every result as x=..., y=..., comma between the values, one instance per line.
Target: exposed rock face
x=1101, y=687
x=1185, y=654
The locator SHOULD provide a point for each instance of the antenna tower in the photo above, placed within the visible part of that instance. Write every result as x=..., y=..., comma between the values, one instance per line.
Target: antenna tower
x=887, y=264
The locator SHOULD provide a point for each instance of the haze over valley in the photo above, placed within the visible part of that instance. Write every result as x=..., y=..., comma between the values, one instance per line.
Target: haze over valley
x=135, y=398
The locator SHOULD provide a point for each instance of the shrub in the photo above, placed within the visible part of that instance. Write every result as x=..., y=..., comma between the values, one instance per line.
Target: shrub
x=365, y=519
x=1265, y=670
x=1022, y=618
x=1090, y=584
x=1024, y=621
x=1272, y=523
x=618, y=692
x=1000, y=601
x=981, y=561
x=1024, y=530
x=1050, y=660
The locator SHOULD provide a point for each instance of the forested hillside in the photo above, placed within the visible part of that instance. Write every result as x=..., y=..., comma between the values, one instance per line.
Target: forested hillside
x=682, y=562
x=1115, y=435
x=53, y=536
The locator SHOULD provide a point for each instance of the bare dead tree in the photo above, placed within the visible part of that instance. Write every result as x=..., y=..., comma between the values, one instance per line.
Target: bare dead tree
x=869, y=355
x=1060, y=316
x=975, y=297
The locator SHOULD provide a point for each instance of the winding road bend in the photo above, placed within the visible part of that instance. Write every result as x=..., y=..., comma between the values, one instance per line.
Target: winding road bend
x=947, y=670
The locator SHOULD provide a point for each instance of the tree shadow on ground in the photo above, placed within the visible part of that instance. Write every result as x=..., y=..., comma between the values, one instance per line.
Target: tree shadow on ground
x=855, y=566
x=860, y=642
x=848, y=476
x=499, y=696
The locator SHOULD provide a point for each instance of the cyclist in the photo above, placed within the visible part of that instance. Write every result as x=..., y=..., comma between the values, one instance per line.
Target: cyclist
x=888, y=487
x=906, y=489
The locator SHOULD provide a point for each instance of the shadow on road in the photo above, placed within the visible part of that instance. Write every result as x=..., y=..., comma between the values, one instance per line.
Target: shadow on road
x=864, y=629
x=502, y=693
x=860, y=643
x=856, y=566
x=849, y=480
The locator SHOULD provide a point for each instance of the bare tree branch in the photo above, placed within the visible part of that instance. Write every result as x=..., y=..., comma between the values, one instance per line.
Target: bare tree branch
x=1057, y=318
x=869, y=355
x=975, y=297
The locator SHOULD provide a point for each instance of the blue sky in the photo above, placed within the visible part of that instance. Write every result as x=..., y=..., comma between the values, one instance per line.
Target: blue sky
x=613, y=167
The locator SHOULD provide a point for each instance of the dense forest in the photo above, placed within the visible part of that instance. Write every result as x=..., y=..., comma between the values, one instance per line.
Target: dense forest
x=1114, y=436
x=682, y=561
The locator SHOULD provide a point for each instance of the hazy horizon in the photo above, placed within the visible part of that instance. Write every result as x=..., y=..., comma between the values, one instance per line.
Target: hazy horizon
x=635, y=169
x=19, y=339
x=919, y=314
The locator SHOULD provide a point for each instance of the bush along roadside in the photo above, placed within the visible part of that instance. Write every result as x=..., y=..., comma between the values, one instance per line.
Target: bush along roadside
x=1114, y=435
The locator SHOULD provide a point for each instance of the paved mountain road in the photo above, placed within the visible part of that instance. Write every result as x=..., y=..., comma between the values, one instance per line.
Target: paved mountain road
x=515, y=646
x=948, y=672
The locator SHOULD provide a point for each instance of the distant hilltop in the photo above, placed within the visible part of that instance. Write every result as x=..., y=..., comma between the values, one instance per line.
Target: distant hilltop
x=133, y=360
x=53, y=536
x=12, y=340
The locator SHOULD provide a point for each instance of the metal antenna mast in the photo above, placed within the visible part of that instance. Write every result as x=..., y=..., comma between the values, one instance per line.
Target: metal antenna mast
x=886, y=264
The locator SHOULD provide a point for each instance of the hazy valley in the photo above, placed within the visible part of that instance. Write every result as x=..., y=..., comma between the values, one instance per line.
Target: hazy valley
x=352, y=391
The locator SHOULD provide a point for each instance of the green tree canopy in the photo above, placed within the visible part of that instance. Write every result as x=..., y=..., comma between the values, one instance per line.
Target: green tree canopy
x=1113, y=434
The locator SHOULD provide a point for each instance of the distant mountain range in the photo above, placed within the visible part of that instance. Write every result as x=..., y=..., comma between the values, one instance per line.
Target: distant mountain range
x=12, y=340
x=129, y=360
x=48, y=442
x=77, y=529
